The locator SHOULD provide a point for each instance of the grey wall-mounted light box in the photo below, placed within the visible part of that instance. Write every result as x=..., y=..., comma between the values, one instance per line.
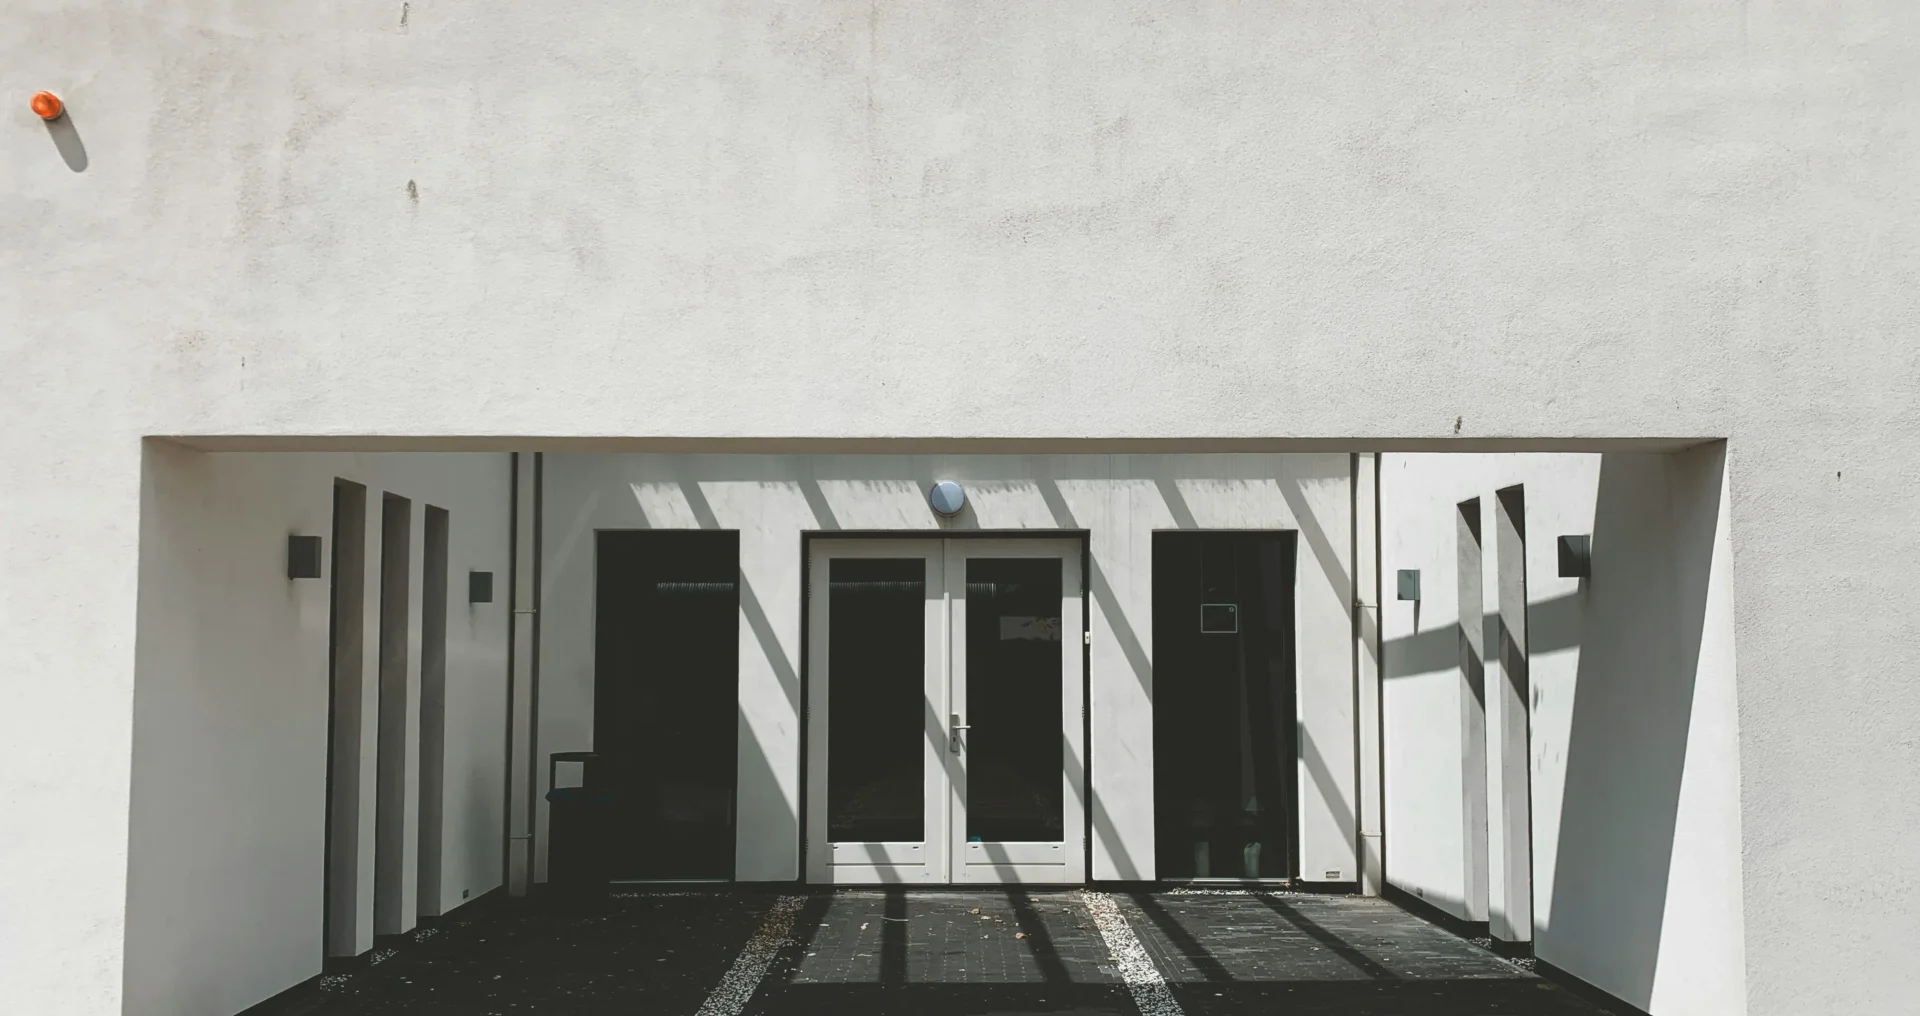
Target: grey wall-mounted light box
x=1576, y=557
x=303, y=557
x=1410, y=584
x=479, y=587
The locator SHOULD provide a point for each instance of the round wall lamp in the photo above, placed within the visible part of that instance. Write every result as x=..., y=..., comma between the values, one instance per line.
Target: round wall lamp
x=946, y=498
x=47, y=106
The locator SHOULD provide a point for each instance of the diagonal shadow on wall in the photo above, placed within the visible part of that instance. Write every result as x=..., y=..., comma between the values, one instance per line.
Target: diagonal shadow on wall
x=1104, y=831
x=1552, y=624
x=758, y=774
x=1655, y=521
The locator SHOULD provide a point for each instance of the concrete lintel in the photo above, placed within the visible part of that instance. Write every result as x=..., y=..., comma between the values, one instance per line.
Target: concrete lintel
x=851, y=445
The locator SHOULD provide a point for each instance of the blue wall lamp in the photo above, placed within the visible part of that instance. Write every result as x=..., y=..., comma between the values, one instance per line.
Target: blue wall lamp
x=946, y=498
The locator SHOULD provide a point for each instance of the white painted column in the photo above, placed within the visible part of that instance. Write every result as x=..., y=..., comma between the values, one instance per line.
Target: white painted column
x=1510, y=846
x=1492, y=679
x=1120, y=755
x=397, y=820
x=431, y=735
x=369, y=738
x=1366, y=650
x=410, y=731
x=767, y=830
x=520, y=747
x=1473, y=714
x=355, y=694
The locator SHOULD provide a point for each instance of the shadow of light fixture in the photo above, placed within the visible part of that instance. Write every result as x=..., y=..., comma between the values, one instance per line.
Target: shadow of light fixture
x=53, y=112
x=1410, y=584
x=479, y=587
x=303, y=557
x=47, y=106
x=1576, y=557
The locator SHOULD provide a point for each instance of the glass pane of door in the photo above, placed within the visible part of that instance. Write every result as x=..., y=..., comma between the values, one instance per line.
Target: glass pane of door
x=876, y=727
x=1013, y=691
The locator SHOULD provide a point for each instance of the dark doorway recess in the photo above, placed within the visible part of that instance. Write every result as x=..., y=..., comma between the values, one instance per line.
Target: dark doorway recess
x=1226, y=782
x=665, y=699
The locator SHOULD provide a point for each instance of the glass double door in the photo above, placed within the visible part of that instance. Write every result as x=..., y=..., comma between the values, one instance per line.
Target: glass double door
x=945, y=694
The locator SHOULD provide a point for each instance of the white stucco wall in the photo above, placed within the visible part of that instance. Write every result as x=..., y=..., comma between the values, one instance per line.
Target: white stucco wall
x=1422, y=686
x=229, y=756
x=1324, y=221
x=1636, y=833
x=1120, y=500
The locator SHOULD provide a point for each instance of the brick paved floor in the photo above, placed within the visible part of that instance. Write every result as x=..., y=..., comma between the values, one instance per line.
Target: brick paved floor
x=856, y=953
x=1320, y=954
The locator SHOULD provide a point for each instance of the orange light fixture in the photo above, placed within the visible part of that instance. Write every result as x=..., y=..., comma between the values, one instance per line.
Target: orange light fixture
x=47, y=106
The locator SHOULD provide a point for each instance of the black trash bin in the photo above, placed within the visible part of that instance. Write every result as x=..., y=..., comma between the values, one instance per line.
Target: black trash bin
x=578, y=823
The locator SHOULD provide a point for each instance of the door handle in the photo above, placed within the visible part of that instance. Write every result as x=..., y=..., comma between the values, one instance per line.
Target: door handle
x=955, y=727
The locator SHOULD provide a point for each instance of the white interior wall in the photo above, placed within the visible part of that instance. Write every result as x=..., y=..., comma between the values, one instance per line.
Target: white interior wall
x=1644, y=897
x=1423, y=690
x=226, y=848
x=1120, y=500
x=1634, y=755
x=1425, y=847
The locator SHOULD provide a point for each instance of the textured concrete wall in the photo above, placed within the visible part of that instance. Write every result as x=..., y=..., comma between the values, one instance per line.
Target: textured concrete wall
x=228, y=816
x=1120, y=500
x=1322, y=220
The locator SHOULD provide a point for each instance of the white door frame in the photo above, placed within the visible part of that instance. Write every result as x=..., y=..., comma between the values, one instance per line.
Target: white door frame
x=1064, y=862
x=945, y=857
x=921, y=863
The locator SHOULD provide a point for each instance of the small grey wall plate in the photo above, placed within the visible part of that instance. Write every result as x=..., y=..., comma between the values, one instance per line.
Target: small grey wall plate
x=1219, y=618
